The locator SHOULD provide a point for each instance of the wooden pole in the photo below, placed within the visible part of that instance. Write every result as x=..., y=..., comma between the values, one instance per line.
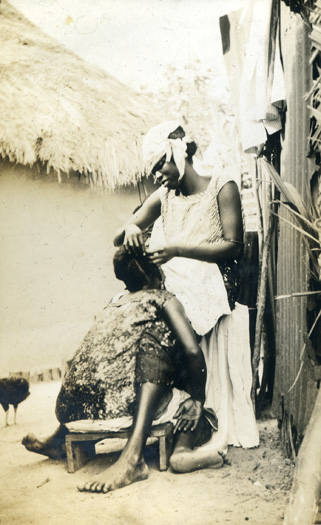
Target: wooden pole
x=306, y=489
x=261, y=307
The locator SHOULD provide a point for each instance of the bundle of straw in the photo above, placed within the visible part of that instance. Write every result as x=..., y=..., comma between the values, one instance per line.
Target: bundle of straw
x=69, y=115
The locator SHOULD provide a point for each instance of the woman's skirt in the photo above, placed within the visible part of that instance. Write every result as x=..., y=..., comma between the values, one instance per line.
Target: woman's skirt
x=229, y=380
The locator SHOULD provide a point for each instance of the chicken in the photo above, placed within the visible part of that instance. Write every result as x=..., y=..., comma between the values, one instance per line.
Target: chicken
x=13, y=390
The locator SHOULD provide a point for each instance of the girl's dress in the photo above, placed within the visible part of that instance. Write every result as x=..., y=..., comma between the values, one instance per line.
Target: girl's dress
x=208, y=294
x=129, y=344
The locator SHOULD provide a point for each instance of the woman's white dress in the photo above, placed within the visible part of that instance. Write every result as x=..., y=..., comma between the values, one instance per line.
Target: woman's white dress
x=195, y=220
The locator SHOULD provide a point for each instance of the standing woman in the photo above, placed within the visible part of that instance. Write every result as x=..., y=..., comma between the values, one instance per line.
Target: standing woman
x=197, y=240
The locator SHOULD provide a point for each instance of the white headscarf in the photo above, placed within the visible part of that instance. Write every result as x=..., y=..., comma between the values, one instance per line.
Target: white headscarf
x=156, y=144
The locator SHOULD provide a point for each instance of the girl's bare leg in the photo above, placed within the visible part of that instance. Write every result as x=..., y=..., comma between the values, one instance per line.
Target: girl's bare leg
x=130, y=466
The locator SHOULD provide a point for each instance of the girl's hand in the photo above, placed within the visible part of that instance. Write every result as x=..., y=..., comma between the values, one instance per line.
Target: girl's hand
x=163, y=255
x=188, y=415
x=133, y=239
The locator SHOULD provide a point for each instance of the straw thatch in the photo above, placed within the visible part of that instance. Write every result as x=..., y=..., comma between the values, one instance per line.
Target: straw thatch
x=57, y=109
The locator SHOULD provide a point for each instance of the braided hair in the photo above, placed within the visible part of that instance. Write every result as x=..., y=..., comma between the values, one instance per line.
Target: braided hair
x=134, y=270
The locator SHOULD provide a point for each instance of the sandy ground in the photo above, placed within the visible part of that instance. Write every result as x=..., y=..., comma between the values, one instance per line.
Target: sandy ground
x=34, y=490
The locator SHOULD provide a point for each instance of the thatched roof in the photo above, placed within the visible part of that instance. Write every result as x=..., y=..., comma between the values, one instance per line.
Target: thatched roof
x=57, y=109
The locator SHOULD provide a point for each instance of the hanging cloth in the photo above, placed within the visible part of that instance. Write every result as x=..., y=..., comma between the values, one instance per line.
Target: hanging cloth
x=253, y=61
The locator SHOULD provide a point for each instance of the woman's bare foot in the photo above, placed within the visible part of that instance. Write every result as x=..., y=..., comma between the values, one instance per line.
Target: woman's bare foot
x=187, y=460
x=53, y=447
x=122, y=473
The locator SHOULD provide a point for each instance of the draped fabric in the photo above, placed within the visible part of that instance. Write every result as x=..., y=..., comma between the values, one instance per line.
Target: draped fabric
x=229, y=379
x=250, y=39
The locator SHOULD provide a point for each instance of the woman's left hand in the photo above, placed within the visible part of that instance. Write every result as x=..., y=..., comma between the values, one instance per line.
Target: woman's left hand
x=188, y=415
x=163, y=255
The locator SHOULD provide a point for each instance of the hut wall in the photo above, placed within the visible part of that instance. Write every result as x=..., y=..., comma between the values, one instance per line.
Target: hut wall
x=56, y=265
x=293, y=405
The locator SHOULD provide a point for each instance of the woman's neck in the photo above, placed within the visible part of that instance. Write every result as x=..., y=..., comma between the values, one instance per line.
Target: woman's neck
x=192, y=183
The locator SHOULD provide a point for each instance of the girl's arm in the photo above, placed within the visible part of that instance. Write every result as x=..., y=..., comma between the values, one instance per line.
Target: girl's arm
x=131, y=234
x=195, y=364
x=229, y=202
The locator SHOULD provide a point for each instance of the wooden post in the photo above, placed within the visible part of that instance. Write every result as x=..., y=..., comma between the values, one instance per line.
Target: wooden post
x=261, y=307
x=306, y=489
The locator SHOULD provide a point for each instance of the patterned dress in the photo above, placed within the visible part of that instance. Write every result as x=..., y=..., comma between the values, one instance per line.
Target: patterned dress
x=129, y=344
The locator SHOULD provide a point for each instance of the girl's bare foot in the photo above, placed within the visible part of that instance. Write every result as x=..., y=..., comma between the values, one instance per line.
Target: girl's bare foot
x=121, y=474
x=54, y=449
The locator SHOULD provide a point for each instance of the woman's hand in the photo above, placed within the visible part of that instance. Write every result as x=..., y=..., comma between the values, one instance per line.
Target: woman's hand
x=188, y=415
x=133, y=239
x=163, y=255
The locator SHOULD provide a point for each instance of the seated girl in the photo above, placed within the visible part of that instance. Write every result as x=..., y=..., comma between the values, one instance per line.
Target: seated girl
x=127, y=365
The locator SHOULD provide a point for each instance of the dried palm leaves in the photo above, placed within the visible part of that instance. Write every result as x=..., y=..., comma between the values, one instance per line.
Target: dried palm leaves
x=306, y=217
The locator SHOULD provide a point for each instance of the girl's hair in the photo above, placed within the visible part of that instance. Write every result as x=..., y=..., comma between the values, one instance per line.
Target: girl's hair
x=191, y=147
x=134, y=270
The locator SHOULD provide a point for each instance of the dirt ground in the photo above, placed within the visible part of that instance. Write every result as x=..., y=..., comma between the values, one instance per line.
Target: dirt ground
x=253, y=487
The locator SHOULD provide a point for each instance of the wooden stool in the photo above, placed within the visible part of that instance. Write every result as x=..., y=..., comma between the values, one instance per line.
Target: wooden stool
x=80, y=446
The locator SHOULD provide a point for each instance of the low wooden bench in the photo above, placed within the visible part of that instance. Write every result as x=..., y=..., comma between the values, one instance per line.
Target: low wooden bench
x=80, y=446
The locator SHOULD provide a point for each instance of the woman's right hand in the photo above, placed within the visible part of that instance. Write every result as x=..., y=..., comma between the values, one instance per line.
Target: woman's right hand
x=133, y=239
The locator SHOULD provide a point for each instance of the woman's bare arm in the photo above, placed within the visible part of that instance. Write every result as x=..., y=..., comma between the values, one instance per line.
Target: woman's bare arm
x=131, y=234
x=230, y=208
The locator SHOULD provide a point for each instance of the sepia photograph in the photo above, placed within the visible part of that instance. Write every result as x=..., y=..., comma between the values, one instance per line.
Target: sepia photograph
x=160, y=269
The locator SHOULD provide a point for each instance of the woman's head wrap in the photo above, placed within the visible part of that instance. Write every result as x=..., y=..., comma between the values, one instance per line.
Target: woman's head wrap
x=156, y=144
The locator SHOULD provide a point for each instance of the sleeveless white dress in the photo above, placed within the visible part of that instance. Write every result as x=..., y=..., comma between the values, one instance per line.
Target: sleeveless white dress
x=195, y=220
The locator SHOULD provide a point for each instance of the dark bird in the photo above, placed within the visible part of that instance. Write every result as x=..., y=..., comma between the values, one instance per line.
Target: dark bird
x=13, y=390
